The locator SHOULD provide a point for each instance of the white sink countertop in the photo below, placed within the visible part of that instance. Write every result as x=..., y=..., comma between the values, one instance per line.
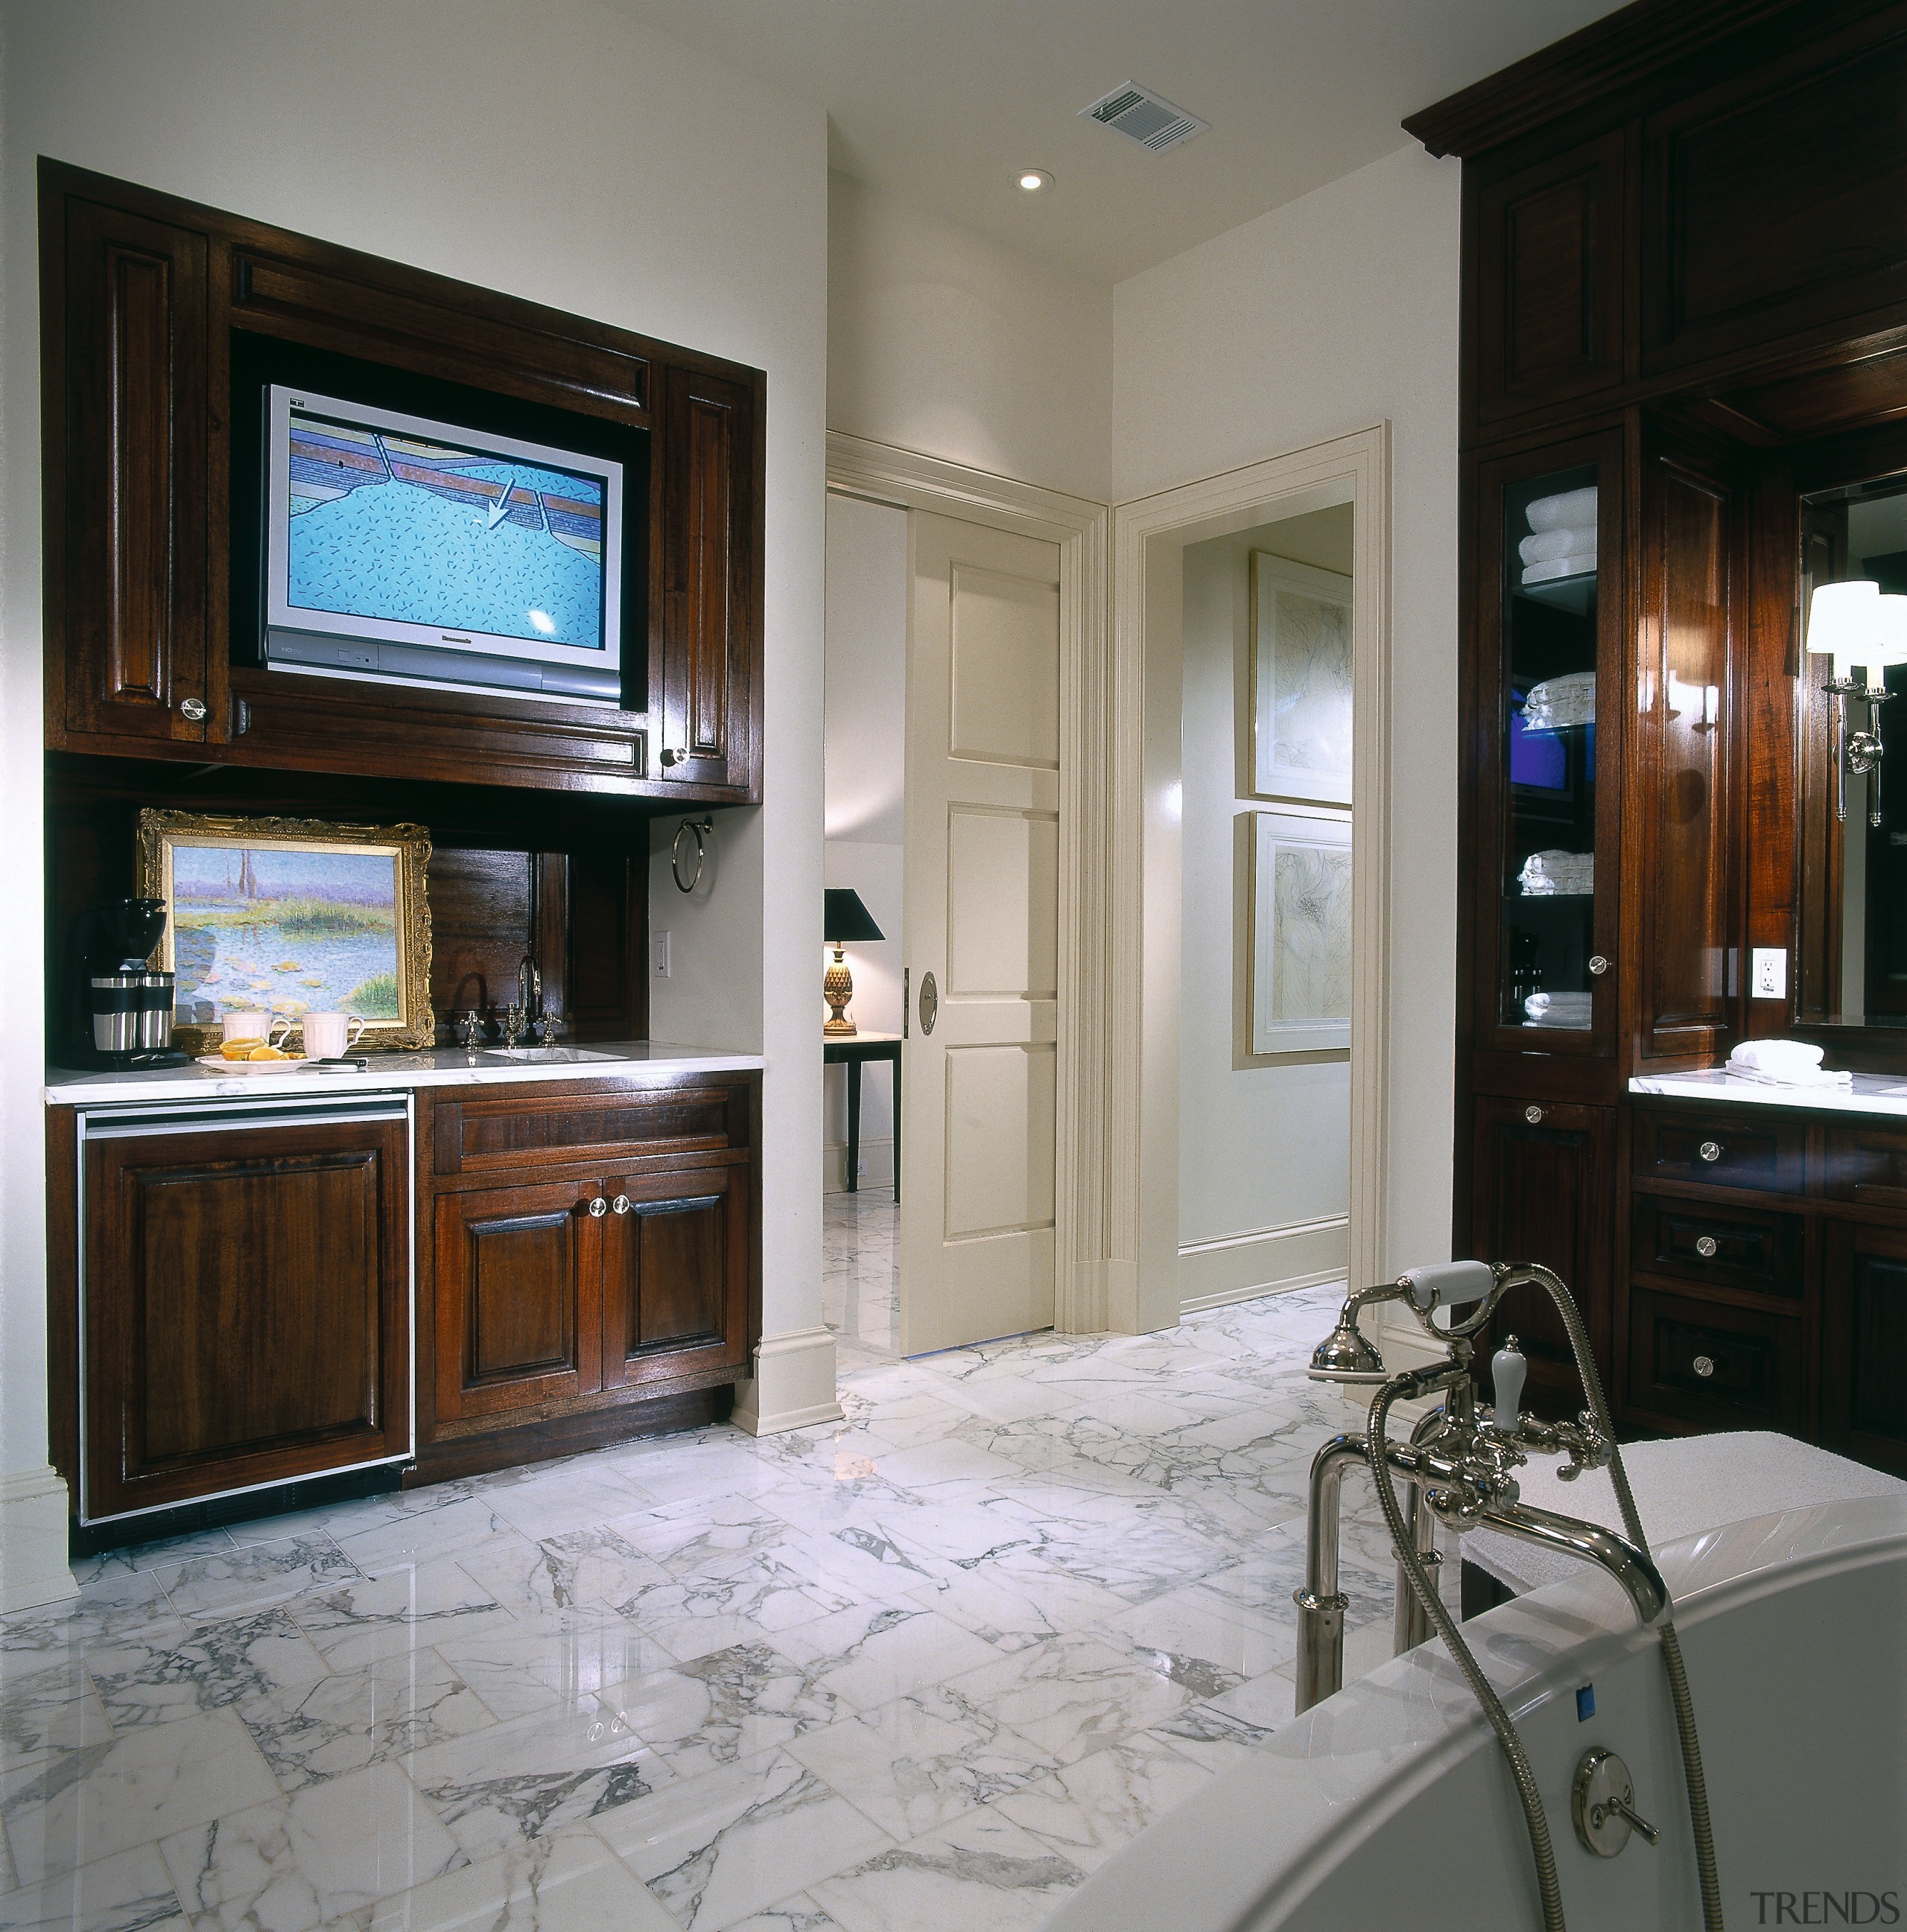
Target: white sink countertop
x=451, y=1067
x=1871, y=1093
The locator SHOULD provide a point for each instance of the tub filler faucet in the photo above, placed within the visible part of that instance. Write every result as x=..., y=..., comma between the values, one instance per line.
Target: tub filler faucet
x=1459, y=1470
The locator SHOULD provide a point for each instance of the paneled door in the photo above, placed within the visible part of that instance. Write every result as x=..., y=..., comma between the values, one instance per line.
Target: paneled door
x=982, y=934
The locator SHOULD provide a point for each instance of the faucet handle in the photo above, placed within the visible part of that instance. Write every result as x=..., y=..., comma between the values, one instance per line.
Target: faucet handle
x=1509, y=1369
x=469, y=1029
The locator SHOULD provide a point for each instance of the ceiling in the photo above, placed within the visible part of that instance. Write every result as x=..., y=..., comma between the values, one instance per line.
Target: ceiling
x=942, y=103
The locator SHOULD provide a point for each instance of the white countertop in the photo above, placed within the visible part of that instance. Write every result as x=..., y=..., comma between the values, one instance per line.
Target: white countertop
x=392, y=1072
x=1871, y=1093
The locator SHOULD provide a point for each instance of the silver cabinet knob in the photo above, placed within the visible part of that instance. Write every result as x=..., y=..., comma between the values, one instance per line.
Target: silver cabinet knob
x=1705, y=1247
x=1703, y=1366
x=622, y=1203
x=598, y=1208
x=193, y=708
x=1534, y=1115
x=673, y=754
x=1710, y=1151
x=1598, y=965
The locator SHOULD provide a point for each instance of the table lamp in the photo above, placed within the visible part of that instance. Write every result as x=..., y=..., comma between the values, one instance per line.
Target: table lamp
x=845, y=919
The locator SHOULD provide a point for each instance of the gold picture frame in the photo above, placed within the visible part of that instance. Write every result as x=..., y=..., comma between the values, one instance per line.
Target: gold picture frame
x=354, y=935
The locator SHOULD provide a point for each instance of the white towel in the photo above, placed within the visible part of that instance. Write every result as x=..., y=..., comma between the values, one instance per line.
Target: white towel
x=1819, y=1081
x=1546, y=546
x=1573, y=509
x=1558, y=874
x=1783, y=1058
x=1562, y=566
x=1559, y=1010
x=1559, y=702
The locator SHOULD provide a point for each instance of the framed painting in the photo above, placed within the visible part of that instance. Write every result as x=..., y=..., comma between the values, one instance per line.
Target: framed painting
x=293, y=916
x=1300, y=954
x=1301, y=681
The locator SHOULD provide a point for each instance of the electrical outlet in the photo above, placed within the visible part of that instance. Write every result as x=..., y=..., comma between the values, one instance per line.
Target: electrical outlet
x=1771, y=972
x=662, y=955
x=860, y=1166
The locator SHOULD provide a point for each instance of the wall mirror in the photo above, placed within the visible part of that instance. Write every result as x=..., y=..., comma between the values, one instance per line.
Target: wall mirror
x=1852, y=932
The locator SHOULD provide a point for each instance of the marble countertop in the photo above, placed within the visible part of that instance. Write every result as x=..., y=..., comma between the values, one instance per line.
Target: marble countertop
x=388, y=1072
x=1871, y=1092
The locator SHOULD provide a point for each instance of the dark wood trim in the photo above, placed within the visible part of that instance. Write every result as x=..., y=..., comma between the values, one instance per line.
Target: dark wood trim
x=541, y=1442
x=63, y=1295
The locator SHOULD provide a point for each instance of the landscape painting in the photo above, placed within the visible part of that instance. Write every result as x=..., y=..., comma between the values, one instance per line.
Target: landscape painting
x=273, y=913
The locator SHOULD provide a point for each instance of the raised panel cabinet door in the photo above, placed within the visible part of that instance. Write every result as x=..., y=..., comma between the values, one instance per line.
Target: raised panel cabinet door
x=1544, y=1189
x=1863, y=1345
x=675, y=1276
x=131, y=422
x=519, y=1273
x=246, y=1309
x=1550, y=260
x=710, y=600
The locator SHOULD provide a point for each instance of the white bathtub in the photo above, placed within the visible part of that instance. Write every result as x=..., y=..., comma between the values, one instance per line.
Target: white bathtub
x=1389, y=1807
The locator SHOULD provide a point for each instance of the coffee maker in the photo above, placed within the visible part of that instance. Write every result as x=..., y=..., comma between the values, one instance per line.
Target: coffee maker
x=128, y=1005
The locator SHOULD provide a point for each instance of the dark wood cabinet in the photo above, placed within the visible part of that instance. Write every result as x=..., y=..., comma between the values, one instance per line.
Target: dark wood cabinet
x=1863, y=1383
x=127, y=496
x=673, y=1299
x=246, y=1307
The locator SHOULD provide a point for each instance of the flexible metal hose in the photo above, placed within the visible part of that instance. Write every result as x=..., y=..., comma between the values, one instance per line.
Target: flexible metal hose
x=1706, y=1873
x=1375, y=1447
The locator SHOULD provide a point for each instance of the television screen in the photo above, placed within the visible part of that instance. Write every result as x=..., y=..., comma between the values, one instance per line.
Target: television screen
x=397, y=546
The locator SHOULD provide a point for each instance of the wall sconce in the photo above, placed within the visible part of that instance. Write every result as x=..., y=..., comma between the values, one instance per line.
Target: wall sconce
x=1861, y=631
x=844, y=920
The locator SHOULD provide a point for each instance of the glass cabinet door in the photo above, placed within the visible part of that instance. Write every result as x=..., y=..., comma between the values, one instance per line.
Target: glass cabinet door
x=1546, y=629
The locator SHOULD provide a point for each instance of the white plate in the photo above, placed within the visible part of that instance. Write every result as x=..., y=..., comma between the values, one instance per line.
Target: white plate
x=219, y=1064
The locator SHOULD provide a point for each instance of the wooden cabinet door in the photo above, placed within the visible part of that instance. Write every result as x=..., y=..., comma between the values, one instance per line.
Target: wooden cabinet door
x=246, y=1309
x=1863, y=1353
x=518, y=1297
x=711, y=595
x=126, y=431
x=1544, y=1183
x=675, y=1276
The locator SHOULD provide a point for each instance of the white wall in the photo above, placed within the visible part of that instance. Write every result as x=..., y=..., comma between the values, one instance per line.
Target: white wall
x=866, y=763
x=1326, y=315
x=945, y=341
x=1263, y=1149
x=701, y=219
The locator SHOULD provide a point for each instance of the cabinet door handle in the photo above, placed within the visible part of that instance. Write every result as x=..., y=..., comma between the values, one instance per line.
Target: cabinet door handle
x=1705, y=1247
x=674, y=754
x=193, y=708
x=622, y=1203
x=598, y=1208
x=1710, y=1150
x=1534, y=1115
x=1703, y=1366
x=930, y=1002
x=1598, y=965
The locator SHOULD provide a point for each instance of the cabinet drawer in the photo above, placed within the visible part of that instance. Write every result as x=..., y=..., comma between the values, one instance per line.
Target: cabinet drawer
x=1868, y=1165
x=512, y=1128
x=1729, y=1247
x=1716, y=1367
x=1721, y=1151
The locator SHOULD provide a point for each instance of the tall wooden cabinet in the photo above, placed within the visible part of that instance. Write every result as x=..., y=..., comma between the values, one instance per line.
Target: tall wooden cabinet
x=1683, y=230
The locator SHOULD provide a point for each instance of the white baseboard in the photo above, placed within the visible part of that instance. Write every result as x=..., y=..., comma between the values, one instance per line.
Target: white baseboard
x=793, y=1386
x=877, y=1164
x=1263, y=1260
x=33, y=1546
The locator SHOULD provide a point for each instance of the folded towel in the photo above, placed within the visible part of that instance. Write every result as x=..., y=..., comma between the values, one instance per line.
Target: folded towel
x=1558, y=874
x=1559, y=1010
x=1573, y=509
x=1559, y=702
x=1782, y=1056
x=1547, y=545
x=1819, y=1081
x=1584, y=565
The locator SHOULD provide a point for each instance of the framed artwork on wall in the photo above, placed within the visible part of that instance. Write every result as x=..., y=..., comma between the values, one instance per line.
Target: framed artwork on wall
x=1301, y=683
x=292, y=916
x=1299, y=953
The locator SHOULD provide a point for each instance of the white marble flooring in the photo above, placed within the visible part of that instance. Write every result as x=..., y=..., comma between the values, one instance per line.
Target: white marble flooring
x=921, y=1670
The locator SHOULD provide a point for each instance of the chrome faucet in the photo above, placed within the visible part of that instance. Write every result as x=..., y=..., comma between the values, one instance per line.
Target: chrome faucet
x=529, y=985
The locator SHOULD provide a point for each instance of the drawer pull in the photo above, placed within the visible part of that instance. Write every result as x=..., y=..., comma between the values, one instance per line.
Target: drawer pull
x=1703, y=1366
x=1705, y=1247
x=621, y=1204
x=1598, y=965
x=598, y=1208
x=1710, y=1150
x=1534, y=1115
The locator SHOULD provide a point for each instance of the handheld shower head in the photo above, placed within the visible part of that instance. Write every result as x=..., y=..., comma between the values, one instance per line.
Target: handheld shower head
x=1344, y=1355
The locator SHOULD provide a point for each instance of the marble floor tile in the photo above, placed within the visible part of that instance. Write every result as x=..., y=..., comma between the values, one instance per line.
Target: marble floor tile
x=982, y=1871
x=720, y=1708
x=584, y=1576
x=409, y=1609
x=1205, y=1641
x=229, y=1661
x=77, y=1807
x=1012, y=1609
x=228, y=1583
x=570, y=1882
x=798, y=1914
x=1073, y=1695
x=716, y=1849
x=521, y=1669
x=1087, y=1811
x=1218, y=1739
x=132, y=1892
x=874, y=1653
x=46, y=1705
x=551, y=1499
x=415, y=1536
x=306, y=1862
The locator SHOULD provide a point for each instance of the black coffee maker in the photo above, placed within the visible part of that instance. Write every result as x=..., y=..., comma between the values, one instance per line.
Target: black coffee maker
x=127, y=1006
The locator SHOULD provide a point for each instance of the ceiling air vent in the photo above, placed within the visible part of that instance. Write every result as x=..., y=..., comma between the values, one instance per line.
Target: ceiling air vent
x=1146, y=117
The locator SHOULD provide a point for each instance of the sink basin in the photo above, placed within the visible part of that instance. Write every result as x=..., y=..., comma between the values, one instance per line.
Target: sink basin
x=546, y=1056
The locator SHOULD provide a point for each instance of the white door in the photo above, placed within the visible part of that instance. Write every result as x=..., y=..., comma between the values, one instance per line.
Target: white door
x=982, y=935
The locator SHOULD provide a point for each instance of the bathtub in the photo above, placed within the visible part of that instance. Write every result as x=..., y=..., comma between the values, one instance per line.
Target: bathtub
x=1389, y=1806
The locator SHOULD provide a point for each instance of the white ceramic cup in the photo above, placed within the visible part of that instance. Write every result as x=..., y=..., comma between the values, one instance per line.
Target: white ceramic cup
x=330, y=1036
x=254, y=1023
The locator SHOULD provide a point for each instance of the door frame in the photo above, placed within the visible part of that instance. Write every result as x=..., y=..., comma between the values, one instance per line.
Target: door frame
x=1140, y=832
x=904, y=479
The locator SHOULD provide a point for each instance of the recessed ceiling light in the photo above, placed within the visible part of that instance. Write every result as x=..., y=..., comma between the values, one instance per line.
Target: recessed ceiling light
x=1032, y=180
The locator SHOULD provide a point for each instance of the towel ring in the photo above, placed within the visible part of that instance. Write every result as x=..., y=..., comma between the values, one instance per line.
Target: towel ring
x=701, y=829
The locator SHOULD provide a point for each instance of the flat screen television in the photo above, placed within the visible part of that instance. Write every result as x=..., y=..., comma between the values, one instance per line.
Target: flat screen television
x=401, y=549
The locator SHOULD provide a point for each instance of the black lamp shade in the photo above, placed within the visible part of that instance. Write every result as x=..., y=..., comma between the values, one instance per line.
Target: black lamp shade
x=847, y=921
